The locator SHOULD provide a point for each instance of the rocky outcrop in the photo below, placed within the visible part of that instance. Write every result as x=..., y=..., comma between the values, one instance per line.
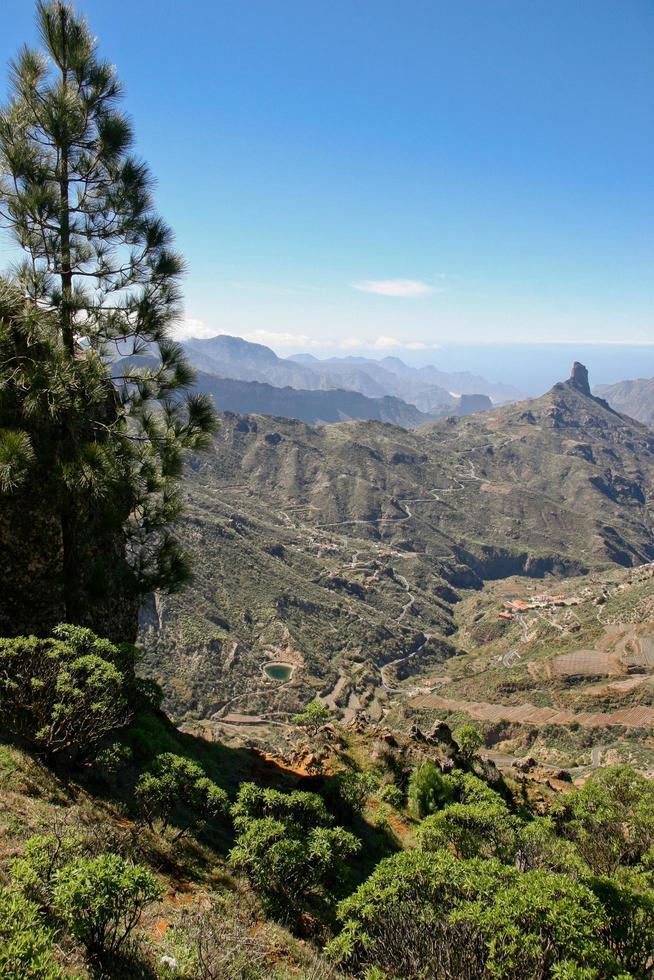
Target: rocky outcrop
x=468, y=404
x=579, y=378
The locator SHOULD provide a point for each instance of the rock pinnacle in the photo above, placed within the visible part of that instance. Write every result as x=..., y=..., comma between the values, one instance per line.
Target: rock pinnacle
x=579, y=378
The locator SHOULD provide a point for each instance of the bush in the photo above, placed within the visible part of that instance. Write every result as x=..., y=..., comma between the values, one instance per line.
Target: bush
x=468, y=740
x=429, y=789
x=313, y=717
x=286, y=864
x=610, y=819
x=44, y=856
x=109, y=762
x=298, y=808
x=25, y=944
x=66, y=693
x=472, y=789
x=541, y=849
x=472, y=830
x=393, y=795
x=398, y=921
x=101, y=900
x=535, y=922
x=429, y=914
x=177, y=790
x=628, y=902
x=286, y=847
x=347, y=792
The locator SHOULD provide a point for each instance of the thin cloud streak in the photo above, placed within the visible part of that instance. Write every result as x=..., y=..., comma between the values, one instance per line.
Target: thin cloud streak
x=198, y=329
x=397, y=288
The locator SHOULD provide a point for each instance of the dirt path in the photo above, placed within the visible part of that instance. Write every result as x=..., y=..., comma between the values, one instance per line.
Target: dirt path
x=401, y=660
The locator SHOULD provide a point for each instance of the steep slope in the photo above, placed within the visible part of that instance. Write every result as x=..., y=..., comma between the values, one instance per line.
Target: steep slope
x=338, y=549
x=634, y=398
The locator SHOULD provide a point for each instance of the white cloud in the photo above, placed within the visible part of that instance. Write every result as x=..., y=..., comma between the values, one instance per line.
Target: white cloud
x=386, y=343
x=280, y=338
x=403, y=288
x=192, y=327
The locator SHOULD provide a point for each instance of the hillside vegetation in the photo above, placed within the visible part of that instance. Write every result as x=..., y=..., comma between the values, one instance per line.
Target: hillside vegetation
x=149, y=853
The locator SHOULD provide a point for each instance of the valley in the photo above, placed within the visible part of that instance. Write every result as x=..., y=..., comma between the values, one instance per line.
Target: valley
x=368, y=562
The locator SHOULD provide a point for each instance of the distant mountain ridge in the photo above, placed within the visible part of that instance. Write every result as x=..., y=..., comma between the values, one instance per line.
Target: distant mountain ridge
x=454, y=382
x=314, y=406
x=634, y=398
x=431, y=391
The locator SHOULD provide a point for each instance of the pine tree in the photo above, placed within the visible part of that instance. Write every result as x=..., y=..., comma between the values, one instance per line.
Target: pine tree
x=102, y=279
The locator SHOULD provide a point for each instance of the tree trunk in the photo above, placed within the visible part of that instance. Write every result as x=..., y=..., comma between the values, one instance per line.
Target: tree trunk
x=64, y=219
x=67, y=519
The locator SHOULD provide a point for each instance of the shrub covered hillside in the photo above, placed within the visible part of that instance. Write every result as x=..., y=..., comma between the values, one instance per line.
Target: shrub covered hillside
x=130, y=849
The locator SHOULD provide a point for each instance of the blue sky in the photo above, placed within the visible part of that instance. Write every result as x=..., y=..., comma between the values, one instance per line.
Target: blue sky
x=395, y=175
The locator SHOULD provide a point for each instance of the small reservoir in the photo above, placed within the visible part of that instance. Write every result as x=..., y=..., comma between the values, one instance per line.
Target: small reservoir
x=279, y=672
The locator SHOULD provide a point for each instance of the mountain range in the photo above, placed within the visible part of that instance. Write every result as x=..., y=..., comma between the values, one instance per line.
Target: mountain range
x=634, y=398
x=432, y=392
x=337, y=550
x=319, y=405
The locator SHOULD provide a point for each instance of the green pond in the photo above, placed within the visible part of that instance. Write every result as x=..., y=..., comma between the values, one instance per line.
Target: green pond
x=279, y=672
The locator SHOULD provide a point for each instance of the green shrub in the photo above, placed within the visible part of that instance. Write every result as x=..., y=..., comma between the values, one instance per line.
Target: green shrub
x=313, y=717
x=470, y=789
x=26, y=951
x=347, y=792
x=468, y=739
x=44, y=856
x=535, y=922
x=429, y=789
x=432, y=915
x=66, y=693
x=541, y=849
x=112, y=759
x=472, y=830
x=299, y=808
x=101, y=900
x=628, y=902
x=393, y=795
x=286, y=847
x=398, y=920
x=177, y=790
x=287, y=864
x=610, y=818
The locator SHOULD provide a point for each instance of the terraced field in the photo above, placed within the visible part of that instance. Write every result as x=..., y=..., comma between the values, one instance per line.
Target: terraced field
x=579, y=672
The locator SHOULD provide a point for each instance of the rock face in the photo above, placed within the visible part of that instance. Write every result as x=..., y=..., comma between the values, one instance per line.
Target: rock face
x=579, y=378
x=473, y=403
